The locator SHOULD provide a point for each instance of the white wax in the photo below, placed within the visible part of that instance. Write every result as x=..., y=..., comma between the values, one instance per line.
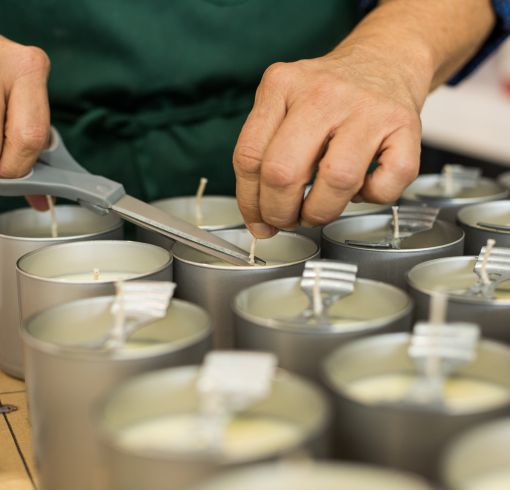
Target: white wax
x=88, y=277
x=222, y=263
x=460, y=393
x=244, y=437
x=496, y=480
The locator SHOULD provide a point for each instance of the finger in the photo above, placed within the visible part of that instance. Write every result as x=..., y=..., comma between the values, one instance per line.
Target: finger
x=288, y=164
x=2, y=120
x=39, y=203
x=266, y=116
x=341, y=172
x=27, y=119
x=399, y=164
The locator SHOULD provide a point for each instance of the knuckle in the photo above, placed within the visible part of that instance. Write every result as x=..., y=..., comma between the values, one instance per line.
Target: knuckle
x=406, y=171
x=340, y=179
x=31, y=138
x=277, y=173
x=247, y=159
x=31, y=59
x=277, y=74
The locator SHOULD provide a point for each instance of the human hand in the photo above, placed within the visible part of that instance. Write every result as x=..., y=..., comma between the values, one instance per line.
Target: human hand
x=24, y=110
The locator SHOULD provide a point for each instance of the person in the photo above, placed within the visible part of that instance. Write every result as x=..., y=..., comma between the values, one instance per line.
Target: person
x=153, y=94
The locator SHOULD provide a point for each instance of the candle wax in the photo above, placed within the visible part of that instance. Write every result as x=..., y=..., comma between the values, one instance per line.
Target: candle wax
x=88, y=277
x=460, y=393
x=246, y=436
x=495, y=480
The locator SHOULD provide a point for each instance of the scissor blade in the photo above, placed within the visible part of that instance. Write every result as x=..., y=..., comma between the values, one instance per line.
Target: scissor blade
x=152, y=218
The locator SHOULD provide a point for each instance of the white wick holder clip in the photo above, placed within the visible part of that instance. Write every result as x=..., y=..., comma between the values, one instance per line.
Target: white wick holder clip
x=438, y=349
x=324, y=282
x=406, y=221
x=136, y=304
x=455, y=178
x=228, y=383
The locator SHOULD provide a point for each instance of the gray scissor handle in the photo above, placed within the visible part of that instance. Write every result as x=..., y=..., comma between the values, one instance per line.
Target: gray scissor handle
x=57, y=173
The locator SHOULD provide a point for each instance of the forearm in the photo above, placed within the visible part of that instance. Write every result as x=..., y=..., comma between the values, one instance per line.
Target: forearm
x=426, y=40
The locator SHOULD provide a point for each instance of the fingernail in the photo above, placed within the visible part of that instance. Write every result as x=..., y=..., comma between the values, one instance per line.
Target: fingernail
x=305, y=224
x=290, y=228
x=261, y=230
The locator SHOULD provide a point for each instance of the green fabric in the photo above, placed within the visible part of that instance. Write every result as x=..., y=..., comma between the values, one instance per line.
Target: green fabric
x=154, y=94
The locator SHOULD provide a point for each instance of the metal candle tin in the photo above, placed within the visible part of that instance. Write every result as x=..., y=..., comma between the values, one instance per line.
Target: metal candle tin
x=315, y=476
x=264, y=312
x=217, y=213
x=388, y=265
x=65, y=381
x=398, y=435
x=492, y=315
x=213, y=285
x=427, y=189
x=352, y=209
x=479, y=459
x=22, y=231
x=483, y=221
x=173, y=392
x=504, y=180
x=39, y=271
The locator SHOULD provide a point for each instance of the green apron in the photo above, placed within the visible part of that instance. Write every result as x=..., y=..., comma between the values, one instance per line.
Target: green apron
x=154, y=93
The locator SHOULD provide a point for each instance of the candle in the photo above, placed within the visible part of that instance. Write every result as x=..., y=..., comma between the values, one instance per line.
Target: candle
x=245, y=436
x=68, y=373
x=461, y=393
x=25, y=230
x=213, y=284
x=95, y=277
x=498, y=480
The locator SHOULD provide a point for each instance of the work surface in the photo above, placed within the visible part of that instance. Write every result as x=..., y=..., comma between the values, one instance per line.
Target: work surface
x=17, y=470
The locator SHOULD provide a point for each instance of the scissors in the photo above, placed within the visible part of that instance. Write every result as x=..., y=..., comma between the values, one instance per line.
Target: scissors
x=58, y=174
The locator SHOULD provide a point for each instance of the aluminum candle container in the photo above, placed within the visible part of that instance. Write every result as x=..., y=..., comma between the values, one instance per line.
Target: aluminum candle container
x=479, y=459
x=315, y=476
x=456, y=273
x=213, y=284
x=504, y=180
x=352, y=209
x=62, y=273
x=388, y=265
x=373, y=427
x=138, y=457
x=65, y=380
x=483, y=221
x=264, y=321
x=22, y=231
x=217, y=213
x=427, y=189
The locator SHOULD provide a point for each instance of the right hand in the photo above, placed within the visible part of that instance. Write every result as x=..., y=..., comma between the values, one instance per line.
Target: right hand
x=24, y=110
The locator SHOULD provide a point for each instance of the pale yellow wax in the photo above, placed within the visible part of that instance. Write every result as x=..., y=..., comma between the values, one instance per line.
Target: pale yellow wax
x=460, y=393
x=496, y=480
x=244, y=437
x=222, y=263
x=104, y=276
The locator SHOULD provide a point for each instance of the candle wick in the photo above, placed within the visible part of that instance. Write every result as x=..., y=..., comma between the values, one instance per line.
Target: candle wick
x=448, y=179
x=198, y=198
x=483, y=270
x=96, y=274
x=252, y=251
x=120, y=315
x=437, y=318
x=317, y=298
x=396, y=225
x=53, y=215
x=438, y=306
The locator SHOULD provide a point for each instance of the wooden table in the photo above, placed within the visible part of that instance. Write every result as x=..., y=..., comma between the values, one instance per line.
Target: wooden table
x=17, y=470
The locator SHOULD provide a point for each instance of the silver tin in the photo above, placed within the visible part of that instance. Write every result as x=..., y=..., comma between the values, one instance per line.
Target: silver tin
x=352, y=209
x=39, y=288
x=426, y=189
x=504, y=180
x=203, y=280
x=263, y=321
x=173, y=391
x=218, y=213
x=388, y=265
x=478, y=457
x=64, y=382
x=400, y=436
x=22, y=231
x=492, y=213
x=492, y=315
x=315, y=476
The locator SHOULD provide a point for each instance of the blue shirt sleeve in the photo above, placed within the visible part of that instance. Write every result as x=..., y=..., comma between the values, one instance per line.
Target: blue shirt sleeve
x=498, y=35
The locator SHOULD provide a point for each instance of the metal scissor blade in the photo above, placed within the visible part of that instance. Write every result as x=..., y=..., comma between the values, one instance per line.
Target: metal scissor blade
x=152, y=218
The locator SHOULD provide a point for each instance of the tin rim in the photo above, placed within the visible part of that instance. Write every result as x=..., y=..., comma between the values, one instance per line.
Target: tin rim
x=334, y=329
x=52, y=280
x=477, y=227
x=59, y=239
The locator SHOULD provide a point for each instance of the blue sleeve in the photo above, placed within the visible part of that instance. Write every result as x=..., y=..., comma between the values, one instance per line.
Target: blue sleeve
x=498, y=35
